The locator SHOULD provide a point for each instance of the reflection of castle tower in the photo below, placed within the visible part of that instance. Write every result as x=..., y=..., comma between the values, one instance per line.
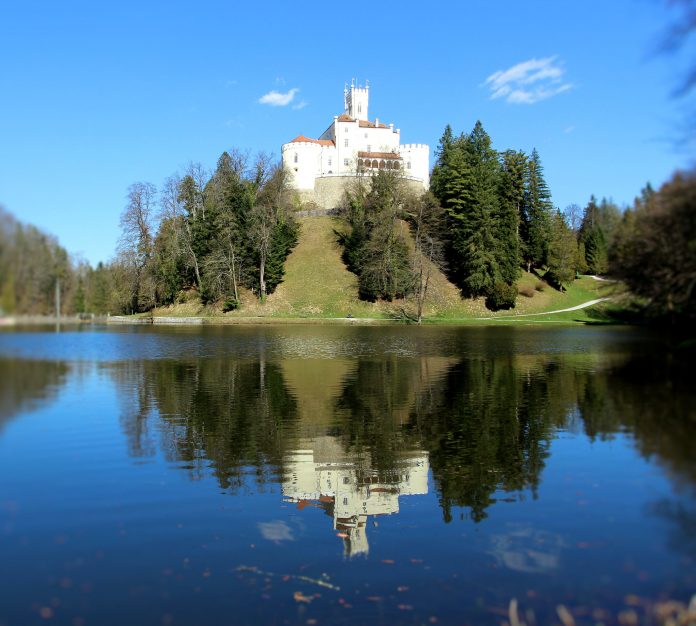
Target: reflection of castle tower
x=348, y=489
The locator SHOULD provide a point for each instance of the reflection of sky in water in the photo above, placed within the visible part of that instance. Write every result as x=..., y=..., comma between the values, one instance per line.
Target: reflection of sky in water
x=276, y=531
x=527, y=550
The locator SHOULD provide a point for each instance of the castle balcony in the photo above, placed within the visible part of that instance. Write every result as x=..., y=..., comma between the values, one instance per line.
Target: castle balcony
x=371, y=161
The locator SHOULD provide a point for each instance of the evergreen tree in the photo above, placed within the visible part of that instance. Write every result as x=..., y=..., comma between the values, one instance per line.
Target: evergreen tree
x=536, y=216
x=562, y=252
x=592, y=238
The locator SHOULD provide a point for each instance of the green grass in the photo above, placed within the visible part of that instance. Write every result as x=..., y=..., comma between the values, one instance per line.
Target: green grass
x=317, y=285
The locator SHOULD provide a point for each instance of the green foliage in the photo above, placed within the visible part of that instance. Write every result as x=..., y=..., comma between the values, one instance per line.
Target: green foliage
x=375, y=248
x=563, y=251
x=536, y=215
x=481, y=197
x=655, y=254
x=501, y=297
x=593, y=239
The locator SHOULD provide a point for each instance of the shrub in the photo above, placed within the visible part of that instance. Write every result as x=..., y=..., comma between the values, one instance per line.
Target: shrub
x=501, y=297
x=526, y=291
x=540, y=286
x=230, y=304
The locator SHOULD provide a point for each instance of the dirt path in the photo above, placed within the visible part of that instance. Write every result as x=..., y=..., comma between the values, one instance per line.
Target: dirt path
x=584, y=305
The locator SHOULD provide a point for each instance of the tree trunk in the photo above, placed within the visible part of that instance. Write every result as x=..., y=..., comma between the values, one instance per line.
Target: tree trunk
x=262, y=279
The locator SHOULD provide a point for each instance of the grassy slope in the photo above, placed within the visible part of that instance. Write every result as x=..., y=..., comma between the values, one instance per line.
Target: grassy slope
x=318, y=285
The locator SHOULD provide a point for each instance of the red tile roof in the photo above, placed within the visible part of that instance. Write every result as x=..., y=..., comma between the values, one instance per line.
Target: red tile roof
x=345, y=118
x=368, y=124
x=321, y=142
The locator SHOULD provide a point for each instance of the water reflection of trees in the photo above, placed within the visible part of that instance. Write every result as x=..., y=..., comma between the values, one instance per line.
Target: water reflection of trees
x=486, y=424
x=235, y=416
x=25, y=385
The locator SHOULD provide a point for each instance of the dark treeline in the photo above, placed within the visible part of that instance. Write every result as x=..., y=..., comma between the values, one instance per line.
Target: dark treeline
x=654, y=252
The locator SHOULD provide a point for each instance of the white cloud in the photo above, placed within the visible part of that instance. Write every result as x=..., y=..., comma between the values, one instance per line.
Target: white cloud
x=278, y=98
x=300, y=105
x=568, y=130
x=529, y=82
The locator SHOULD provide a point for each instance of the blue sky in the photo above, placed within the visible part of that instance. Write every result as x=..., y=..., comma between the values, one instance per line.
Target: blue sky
x=96, y=96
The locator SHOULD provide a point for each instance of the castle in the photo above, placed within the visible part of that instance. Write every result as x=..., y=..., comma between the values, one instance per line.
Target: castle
x=351, y=146
x=350, y=490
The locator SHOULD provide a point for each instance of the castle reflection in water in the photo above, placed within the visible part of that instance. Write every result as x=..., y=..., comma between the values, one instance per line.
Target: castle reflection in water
x=350, y=490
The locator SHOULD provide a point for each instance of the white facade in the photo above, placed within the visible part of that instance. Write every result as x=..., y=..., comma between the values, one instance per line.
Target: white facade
x=354, y=145
x=322, y=476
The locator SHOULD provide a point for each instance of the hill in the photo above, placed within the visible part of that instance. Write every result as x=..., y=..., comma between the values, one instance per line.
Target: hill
x=317, y=284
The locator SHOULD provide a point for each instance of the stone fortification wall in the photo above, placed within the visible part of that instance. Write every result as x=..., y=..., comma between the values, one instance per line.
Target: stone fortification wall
x=328, y=190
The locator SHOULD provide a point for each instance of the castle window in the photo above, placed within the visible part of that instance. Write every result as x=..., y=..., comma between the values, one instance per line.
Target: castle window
x=346, y=162
x=345, y=501
x=359, y=108
x=369, y=148
x=346, y=480
x=329, y=162
x=408, y=165
x=295, y=157
x=345, y=130
x=345, y=143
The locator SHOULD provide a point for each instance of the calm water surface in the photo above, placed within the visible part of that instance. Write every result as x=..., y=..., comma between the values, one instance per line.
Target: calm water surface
x=331, y=475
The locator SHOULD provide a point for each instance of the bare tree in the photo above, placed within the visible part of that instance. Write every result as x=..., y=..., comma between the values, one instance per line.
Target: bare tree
x=268, y=189
x=136, y=243
x=427, y=219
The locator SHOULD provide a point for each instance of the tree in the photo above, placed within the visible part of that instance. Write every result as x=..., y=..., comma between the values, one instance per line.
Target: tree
x=427, y=221
x=136, y=244
x=593, y=240
x=536, y=215
x=563, y=250
x=656, y=250
x=375, y=248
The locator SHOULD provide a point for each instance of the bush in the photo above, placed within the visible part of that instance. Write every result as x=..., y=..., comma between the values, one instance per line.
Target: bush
x=230, y=304
x=501, y=297
x=540, y=286
x=526, y=291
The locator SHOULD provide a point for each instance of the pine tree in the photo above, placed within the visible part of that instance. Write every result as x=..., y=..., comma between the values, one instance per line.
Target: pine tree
x=593, y=239
x=536, y=215
x=562, y=252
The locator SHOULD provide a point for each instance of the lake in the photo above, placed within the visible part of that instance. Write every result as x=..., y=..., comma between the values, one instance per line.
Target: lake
x=343, y=475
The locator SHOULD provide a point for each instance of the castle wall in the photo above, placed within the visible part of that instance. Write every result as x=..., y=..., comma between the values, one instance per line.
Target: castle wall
x=328, y=190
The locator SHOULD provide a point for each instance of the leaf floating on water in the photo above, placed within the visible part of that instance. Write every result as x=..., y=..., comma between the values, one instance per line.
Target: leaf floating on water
x=342, y=535
x=402, y=588
x=46, y=612
x=388, y=561
x=565, y=616
x=628, y=618
x=300, y=597
x=404, y=607
x=512, y=613
x=374, y=598
x=314, y=581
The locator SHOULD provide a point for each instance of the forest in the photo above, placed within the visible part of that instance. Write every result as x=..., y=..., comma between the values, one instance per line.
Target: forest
x=487, y=217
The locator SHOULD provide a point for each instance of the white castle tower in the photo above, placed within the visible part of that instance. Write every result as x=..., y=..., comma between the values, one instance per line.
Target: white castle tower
x=352, y=146
x=356, y=101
